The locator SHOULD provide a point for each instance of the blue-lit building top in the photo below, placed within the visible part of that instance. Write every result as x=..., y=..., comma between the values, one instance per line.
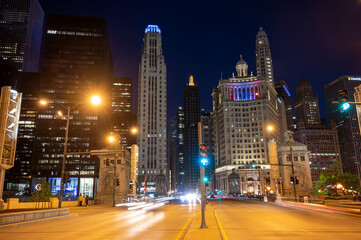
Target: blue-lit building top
x=153, y=28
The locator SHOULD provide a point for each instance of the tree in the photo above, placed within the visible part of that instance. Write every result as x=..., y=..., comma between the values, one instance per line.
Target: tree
x=44, y=193
x=328, y=182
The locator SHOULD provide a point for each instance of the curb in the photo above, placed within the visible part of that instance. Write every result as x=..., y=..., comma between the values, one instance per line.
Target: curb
x=35, y=221
x=184, y=230
x=220, y=228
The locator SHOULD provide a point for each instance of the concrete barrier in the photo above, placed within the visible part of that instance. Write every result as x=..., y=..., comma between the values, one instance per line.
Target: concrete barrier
x=8, y=218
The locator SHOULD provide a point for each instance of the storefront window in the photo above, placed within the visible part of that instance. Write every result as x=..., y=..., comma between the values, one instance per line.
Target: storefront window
x=55, y=185
x=86, y=186
x=71, y=188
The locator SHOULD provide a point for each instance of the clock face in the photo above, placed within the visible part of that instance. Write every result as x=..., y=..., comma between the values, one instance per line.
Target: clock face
x=260, y=42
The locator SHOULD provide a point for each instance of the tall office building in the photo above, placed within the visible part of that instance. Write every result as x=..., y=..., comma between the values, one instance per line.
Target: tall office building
x=152, y=110
x=322, y=142
x=192, y=113
x=283, y=92
x=19, y=177
x=172, y=154
x=263, y=56
x=243, y=106
x=21, y=30
x=346, y=122
x=123, y=120
x=77, y=64
x=306, y=105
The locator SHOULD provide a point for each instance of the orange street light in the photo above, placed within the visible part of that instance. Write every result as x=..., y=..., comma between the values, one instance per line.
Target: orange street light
x=60, y=113
x=43, y=102
x=270, y=128
x=95, y=100
x=134, y=130
x=111, y=139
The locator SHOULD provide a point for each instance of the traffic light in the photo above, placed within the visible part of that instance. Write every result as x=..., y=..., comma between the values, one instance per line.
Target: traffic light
x=118, y=181
x=253, y=164
x=297, y=180
x=292, y=180
x=282, y=188
x=107, y=162
x=132, y=188
x=66, y=178
x=342, y=96
x=203, y=154
x=205, y=179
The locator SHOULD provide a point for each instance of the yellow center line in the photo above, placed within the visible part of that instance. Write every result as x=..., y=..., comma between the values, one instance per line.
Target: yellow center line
x=220, y=228
x=184, y=230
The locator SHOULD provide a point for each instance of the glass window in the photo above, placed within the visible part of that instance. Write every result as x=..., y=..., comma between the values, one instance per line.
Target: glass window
x=86, y=186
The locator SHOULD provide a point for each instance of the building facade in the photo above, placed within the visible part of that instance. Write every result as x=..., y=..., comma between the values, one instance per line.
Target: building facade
x=322, y=142
x=284, y=93
x=192, y=113
x=263, y=56
x=243, y=107
x=152, y=110
x=123, y=120
x=172, y=153
x=21, y=32
x=77, y=64
x=301, y=164
x=323, y=146
x=346, y=122
x=306, y=105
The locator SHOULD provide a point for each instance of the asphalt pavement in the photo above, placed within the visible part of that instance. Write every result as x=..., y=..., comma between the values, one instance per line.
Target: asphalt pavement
x=245, y=219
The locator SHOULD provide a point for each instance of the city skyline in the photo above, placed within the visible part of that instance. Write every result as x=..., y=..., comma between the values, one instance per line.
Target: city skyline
x=303, y=37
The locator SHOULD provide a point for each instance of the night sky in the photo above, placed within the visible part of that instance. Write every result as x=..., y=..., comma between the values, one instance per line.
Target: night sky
x=316, y=40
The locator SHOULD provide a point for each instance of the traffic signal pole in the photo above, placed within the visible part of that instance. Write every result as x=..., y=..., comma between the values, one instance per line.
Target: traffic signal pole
x=203, y=149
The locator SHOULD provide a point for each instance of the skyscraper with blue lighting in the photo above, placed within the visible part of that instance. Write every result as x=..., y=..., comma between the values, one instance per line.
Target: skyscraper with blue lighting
x=152, y=114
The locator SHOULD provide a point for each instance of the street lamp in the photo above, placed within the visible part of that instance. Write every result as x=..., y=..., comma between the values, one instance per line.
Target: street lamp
x=68, y=109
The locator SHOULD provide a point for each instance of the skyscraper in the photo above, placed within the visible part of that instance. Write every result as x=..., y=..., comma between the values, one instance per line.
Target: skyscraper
x=263, y=56
x=306, y=105
x=152, y=110
x=192, y=113
x=346, y=122
x=283, y=92
x=76, y=64
x=21, y=30
x=244, y=106
x=322, y=142
x=172, y=153
x=123, y=120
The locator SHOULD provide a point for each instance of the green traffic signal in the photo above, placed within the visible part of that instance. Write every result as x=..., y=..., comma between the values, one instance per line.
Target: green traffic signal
x=205, y=179
x=345, y=106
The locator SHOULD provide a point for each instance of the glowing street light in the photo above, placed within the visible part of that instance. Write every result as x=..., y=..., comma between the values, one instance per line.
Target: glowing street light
x=43, y=102
x=270, y=128
x=95, y=100
x=134, y=130
x=111, y=139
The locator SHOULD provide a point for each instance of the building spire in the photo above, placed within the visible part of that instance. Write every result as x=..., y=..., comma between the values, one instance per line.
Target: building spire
x=191, y=82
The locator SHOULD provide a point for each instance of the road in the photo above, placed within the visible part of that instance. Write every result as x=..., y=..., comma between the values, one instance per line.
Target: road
x=239, y=219
x=256, y=220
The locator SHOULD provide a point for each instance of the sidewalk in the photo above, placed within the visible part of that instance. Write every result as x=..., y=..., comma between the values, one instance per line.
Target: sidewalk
x=212, y=232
